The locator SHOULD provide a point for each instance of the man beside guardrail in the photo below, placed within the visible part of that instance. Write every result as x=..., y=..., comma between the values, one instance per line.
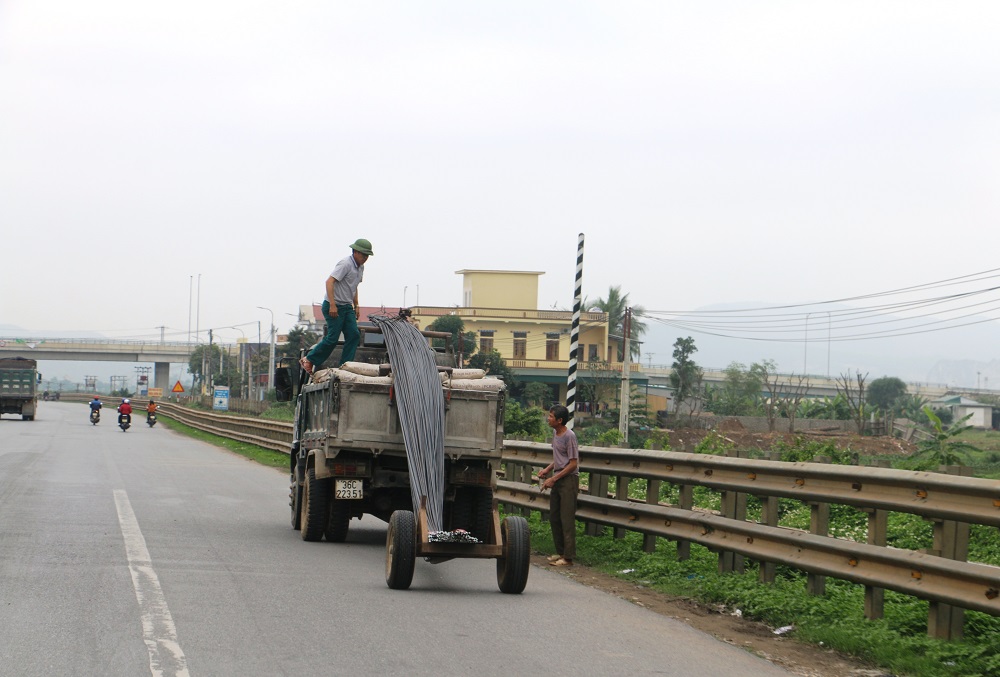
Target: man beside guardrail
x=565, y=485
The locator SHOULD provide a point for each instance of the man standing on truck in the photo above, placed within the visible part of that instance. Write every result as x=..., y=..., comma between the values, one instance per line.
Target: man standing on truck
x=565, y=485
x=340, y=308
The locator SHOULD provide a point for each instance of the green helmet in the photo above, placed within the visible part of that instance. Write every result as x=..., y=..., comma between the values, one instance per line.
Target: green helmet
x=363, y=246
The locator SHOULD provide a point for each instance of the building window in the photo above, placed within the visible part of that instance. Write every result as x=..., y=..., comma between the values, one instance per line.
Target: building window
x=552, y=346
x=520, y=345
x=486, y=340
x=593, y=354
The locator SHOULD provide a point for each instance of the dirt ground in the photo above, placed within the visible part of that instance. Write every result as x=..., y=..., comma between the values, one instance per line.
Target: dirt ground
x=798, y=658
x=685, y=439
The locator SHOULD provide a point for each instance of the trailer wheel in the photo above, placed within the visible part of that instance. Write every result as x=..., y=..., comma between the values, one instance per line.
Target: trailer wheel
x=295, y=501
x=400, y=550
x=340, y=521
x=315, y=506
x=512, y=568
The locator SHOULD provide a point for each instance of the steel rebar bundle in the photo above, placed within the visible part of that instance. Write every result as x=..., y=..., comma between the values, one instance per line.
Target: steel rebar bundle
x=420, y=404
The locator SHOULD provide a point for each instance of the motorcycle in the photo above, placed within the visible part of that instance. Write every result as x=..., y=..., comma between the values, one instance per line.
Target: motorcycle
x=124, y=421
x=95, y=416
x=151, y=420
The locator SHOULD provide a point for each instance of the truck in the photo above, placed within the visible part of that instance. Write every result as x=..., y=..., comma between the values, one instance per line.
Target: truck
x=19, y=379
x=348, y=458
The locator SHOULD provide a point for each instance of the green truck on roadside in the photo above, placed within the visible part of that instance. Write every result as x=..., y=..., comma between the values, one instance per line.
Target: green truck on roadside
x=19, y=379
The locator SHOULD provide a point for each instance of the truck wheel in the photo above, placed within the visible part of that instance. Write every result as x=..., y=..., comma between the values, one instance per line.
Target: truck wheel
x=512, y=568
x=315, y=506
x=295, y=501
x=400, y=550
x=340, y=521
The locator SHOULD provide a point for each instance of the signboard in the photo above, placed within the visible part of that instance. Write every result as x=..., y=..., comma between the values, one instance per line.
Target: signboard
x=220, y=398
x=156, y=392
x=178, y=388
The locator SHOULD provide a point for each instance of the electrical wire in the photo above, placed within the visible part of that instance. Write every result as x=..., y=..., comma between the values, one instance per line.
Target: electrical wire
x=893, y=318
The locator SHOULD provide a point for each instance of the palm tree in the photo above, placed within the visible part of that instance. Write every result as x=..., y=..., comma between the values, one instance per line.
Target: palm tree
x=614, y=305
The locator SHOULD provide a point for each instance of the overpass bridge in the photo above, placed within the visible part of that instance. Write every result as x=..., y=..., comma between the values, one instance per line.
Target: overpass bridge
x=818, y=386
x=161, y=353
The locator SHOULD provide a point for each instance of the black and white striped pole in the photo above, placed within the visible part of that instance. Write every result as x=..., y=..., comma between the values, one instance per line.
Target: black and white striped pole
x=574, y=337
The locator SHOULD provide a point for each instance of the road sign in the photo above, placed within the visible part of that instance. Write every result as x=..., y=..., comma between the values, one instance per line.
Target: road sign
x=178, y=388
x=156, y=392
x=220, y=398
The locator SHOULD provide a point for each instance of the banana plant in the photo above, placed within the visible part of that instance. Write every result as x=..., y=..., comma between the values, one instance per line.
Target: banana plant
x=944, y=448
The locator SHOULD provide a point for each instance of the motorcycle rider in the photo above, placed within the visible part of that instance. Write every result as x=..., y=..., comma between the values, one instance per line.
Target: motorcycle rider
x=150, y=409
x=95, y=405
x=125, y=411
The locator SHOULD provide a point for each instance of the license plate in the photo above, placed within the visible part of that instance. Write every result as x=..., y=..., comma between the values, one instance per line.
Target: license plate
x=349, y=489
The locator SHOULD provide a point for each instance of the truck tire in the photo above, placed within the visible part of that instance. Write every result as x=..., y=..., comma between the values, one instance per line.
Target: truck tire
x=512, y=568
x=400, y=550
x=340, y=521
x=295, y=501
x=315, y=506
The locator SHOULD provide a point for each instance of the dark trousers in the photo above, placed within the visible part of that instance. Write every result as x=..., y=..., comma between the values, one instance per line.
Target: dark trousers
x=346, y=322
x=562, y=515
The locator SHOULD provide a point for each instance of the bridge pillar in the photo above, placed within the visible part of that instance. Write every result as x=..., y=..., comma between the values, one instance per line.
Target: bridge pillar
x=161, y=376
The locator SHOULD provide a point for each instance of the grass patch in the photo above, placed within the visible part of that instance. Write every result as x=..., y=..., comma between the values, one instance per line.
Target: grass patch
x=897, y=642
x=274, y=459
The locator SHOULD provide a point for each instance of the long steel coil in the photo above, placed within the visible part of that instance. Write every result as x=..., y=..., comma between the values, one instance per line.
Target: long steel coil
x=420, y=405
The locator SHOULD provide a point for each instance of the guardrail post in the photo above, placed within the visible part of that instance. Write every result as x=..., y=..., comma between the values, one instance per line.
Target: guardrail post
x=769, y=516
x=652, y=498
x=525, y=479
x=819, y=524
x=877, y=527
x=597, y=485
x=951, y=541
x=734, y=507
x=621, y=494
x=685, y=502
x=514, y=472
x=875, y=597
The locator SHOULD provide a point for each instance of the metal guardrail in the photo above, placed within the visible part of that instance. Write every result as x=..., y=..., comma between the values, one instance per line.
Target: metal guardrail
x=927, y=494
x=943, y=578
x=274, y=435
x=963, y=584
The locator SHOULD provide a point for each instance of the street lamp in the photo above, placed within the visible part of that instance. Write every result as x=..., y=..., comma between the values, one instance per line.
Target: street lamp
x=270, y=362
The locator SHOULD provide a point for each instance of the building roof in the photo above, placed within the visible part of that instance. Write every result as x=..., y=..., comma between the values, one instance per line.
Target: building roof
x=363, y=313
x=502, y=272
x=958, y=400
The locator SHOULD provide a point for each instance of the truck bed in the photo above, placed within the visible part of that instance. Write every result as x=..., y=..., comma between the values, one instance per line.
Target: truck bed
x=355, y=415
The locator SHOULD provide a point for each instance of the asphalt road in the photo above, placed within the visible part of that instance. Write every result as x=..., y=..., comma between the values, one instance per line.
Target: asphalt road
x=147, y=553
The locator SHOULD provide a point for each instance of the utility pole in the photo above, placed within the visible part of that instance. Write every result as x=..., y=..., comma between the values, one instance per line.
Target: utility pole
x=270, y=362
x=209, y=372
x=626, y=350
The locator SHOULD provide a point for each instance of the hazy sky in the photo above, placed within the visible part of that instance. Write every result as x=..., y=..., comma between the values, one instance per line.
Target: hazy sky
x=712, y=153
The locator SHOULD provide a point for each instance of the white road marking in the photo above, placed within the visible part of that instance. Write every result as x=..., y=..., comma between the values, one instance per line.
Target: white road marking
x=158, y=629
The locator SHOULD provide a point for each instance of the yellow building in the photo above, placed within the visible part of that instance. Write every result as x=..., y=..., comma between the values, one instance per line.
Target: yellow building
x=501, y=308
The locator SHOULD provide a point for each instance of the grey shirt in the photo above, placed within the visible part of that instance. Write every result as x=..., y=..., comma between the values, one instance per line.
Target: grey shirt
x=565, y=448
x=348, y=275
